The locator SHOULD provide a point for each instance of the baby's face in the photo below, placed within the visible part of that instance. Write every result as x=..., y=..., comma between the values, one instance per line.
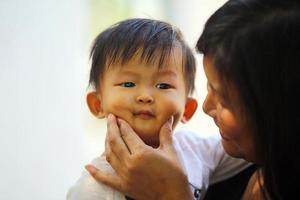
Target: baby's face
x=144, y=95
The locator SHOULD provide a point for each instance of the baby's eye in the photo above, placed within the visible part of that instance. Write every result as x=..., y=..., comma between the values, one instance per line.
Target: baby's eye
x=127, y=84
x=163, y=86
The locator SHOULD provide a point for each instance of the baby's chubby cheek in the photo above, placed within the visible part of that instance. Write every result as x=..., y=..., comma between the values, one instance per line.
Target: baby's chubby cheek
x=118, y=110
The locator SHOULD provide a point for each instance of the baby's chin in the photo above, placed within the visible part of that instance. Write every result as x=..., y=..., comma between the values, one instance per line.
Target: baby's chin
x=150, y=137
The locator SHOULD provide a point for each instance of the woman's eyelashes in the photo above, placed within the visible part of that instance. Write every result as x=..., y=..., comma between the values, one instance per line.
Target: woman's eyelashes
x=217, y=94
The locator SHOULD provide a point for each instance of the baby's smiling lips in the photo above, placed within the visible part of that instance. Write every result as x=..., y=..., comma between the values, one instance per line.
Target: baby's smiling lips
x=144, y=114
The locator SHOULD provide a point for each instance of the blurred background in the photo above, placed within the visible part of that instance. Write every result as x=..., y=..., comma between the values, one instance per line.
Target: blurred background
x=47, y=132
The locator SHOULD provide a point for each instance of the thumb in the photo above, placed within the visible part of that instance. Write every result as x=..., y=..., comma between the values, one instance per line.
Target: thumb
x=107, y=179
x=165, y=134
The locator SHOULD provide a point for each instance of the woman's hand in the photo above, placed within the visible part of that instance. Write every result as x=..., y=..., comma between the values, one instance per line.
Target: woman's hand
x=142, y=172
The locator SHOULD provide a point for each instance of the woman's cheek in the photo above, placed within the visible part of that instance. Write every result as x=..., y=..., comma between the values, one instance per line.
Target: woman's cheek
x=228, y=121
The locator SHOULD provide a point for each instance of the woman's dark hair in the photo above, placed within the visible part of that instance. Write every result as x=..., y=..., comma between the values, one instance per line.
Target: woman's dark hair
x=153, y=40
x=255, y=46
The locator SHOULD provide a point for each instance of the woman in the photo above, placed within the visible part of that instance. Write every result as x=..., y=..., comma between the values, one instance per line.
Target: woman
x=251, y=59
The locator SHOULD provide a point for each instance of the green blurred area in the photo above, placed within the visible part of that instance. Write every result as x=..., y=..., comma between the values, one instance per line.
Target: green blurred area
x=104, y=13
x=107, y=12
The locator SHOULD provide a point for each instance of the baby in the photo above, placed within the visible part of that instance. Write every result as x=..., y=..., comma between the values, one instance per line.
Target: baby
x=142, y=72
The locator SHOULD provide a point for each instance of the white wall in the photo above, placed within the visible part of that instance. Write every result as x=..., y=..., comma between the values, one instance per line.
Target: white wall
x=47, y=133
x=41, y=88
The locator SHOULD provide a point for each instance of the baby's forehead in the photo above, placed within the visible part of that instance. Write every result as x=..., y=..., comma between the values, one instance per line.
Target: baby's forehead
x=167, y=66
x=159, y=59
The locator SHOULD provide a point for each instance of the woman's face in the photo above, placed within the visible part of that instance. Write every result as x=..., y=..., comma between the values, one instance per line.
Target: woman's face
x=224, y=107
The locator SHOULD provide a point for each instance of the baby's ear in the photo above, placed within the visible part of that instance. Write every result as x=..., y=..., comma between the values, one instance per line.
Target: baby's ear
x=190, y=108
x=94, y=103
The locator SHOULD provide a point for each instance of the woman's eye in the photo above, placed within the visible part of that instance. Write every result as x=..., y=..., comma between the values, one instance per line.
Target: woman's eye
x=163, y=86
x=127, y=84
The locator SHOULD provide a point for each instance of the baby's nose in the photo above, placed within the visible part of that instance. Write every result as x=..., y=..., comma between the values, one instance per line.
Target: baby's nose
x=145, y=98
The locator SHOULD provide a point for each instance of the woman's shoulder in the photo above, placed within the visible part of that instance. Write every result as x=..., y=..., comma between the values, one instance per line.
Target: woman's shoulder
x=254, y=188
x=232, y=188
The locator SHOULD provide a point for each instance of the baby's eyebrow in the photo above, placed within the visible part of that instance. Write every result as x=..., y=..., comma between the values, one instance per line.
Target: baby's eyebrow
x=167, y=73
x=128, y=73
x=160, y=73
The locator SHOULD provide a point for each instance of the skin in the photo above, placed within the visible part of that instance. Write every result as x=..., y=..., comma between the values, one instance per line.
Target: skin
x=144, y=95
x=126, y=90
x=237, y=137
x=130, y=160
x=125, y=150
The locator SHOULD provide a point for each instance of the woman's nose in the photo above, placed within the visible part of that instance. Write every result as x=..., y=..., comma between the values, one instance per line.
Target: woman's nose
x=209, y=105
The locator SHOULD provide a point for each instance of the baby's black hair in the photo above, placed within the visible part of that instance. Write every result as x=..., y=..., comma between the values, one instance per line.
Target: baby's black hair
x=153, y=40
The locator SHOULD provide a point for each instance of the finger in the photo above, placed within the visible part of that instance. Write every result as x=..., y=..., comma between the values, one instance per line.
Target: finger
x=112, y=158
x=108, y=150
x=131, y=139
x=166, y=143
x=107, y=179
x=114, y=141
x=115, y=160
x=107, y=147
x=165, y=135
x=109, y=155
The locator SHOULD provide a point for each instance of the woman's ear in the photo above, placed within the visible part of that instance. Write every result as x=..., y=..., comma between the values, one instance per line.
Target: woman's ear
x=94, y=104
x=190, y=108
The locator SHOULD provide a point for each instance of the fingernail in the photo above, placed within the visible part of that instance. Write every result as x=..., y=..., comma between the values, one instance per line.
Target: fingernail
x=119, y=121
x=169, y=123
x=110, y=117
x=170, y=120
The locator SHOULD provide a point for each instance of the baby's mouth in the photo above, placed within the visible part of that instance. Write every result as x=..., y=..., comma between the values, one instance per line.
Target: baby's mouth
x=144, y=114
